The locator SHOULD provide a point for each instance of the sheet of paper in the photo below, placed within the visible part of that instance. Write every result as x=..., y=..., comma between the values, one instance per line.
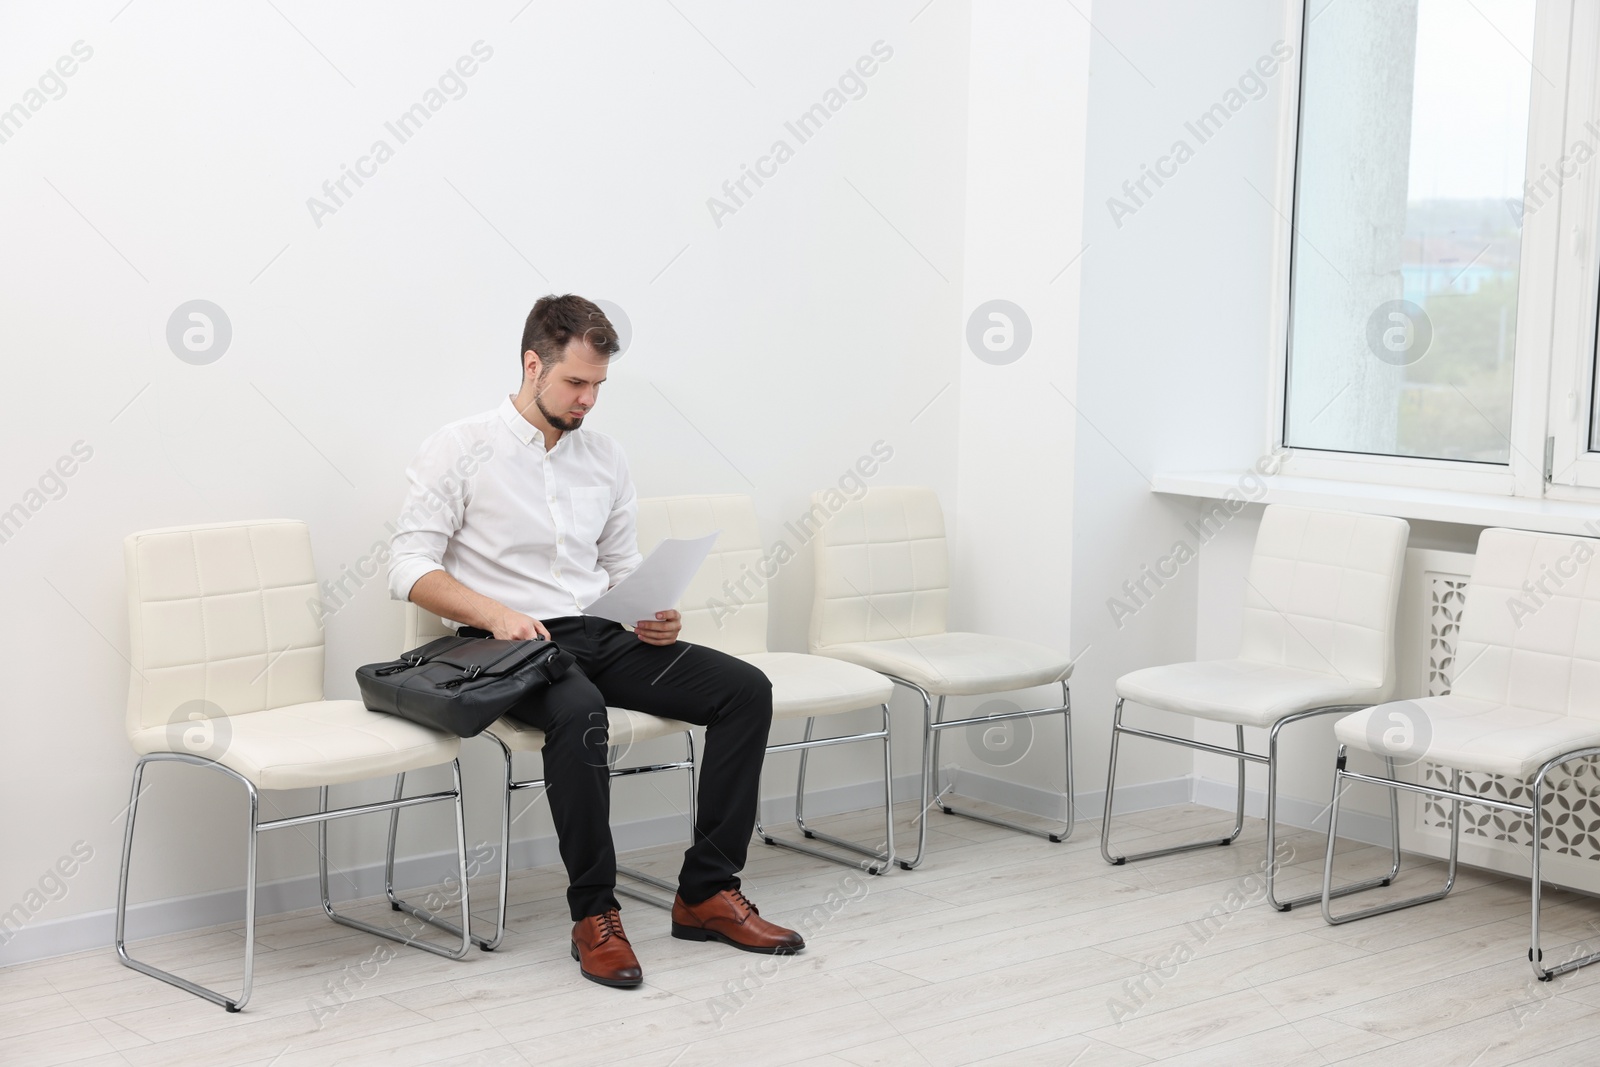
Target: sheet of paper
x=657, y=584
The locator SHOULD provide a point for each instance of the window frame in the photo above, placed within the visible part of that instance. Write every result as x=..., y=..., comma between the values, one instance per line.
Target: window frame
x=1538, y=310
x=1574, y=467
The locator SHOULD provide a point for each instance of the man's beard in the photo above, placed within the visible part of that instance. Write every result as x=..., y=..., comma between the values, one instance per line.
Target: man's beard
x=564, y=425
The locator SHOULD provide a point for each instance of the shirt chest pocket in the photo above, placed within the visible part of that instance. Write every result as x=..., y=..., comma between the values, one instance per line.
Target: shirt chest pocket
x=590, y=508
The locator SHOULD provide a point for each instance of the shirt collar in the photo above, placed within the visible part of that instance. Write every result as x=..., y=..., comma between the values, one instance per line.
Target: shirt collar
x=525, y=431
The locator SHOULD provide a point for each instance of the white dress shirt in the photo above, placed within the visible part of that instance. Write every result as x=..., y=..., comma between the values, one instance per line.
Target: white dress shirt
x=543, y=532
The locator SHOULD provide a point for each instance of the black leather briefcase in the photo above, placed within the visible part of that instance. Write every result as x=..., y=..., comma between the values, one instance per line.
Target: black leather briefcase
x=461, y=684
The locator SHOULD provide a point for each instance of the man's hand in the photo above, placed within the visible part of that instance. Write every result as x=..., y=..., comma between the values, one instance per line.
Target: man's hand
x=514, y=626
x=662, y=630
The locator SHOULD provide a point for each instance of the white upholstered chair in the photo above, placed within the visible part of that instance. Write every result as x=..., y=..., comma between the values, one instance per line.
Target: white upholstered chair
x=725, y=608
x=1524, y=699
x=624, y=728
x=882, y=592
x=227, y=662
x=1319, y=615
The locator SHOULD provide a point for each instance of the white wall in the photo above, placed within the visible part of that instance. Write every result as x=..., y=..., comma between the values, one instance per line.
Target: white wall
x=1025, y=171
x=827, y=312
x=770, y=351
x=1177, y=300
x=1178, y=345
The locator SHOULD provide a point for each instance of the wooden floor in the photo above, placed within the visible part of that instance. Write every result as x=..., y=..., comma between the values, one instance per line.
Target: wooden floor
x=1001, y=949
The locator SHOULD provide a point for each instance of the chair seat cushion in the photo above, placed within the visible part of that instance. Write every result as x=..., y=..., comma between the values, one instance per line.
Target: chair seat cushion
x=1241, y=692
x=623, y=727
x=959, y=664
x=804, y=685
x=324, y=742
x=1471, y=735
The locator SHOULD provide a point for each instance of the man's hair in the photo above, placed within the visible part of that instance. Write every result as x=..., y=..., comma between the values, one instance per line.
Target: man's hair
x=556, y=320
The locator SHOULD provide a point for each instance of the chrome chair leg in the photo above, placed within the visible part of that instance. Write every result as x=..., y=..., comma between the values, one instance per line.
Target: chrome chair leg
x=412, y=910
x=1344, y=890
x=799, y=793
x=321, y=817
x=928, y=739
x=1272, y=826
x=877, y=860
x=1243, y=757
x=1066, y=759
x=503, y=897
x=1535, y=952
x=888, y=789
x=800, y=779
x=489, y=944
x=1536, y=893
x=934, y=723
x=1533, y=811
x=232, y=1004
x=1065, y=711
x=694, y=781
x=394, y=836
x=1340, y=775
x=396, y=902
x=1239, y=753
x=510, y=784
x=662, y=884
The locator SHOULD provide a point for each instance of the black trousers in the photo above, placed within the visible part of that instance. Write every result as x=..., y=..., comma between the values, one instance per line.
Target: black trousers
x=695, y=684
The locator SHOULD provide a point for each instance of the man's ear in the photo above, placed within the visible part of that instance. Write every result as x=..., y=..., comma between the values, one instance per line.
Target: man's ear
x=531, y=364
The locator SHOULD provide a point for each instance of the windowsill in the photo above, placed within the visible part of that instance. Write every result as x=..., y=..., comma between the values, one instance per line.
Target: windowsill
x=1435, y=505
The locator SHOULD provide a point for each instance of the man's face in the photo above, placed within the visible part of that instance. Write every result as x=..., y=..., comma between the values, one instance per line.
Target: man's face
x=568, y=390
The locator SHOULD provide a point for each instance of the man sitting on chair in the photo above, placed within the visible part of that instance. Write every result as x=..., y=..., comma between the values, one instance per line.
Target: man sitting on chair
x=514, y=520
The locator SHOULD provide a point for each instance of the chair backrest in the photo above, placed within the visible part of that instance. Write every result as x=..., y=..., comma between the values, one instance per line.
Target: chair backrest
x=725, y=606
x=223, y=619
x=882, y=566
x=1322, y=591
x=422, y=626
x=1530, y=629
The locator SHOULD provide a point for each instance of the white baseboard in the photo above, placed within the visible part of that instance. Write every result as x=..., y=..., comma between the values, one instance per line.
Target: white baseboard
x=1294, y=811
x=178, y=914
x=1047, y=804
x=156, y=918
x=175, y=915
x=779, y=812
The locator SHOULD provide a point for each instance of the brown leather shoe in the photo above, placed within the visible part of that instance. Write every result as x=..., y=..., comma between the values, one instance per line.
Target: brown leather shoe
x=730, y=918
x=603, y=952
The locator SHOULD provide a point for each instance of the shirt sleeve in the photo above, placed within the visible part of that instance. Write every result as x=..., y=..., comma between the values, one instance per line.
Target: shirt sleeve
x=434, y=509
x=619, y=539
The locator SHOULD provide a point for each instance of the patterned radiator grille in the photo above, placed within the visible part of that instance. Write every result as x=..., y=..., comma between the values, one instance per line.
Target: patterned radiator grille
x=1571, y=808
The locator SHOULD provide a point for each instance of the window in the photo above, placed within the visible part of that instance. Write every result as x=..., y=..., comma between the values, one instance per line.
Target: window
x=1444, y=271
